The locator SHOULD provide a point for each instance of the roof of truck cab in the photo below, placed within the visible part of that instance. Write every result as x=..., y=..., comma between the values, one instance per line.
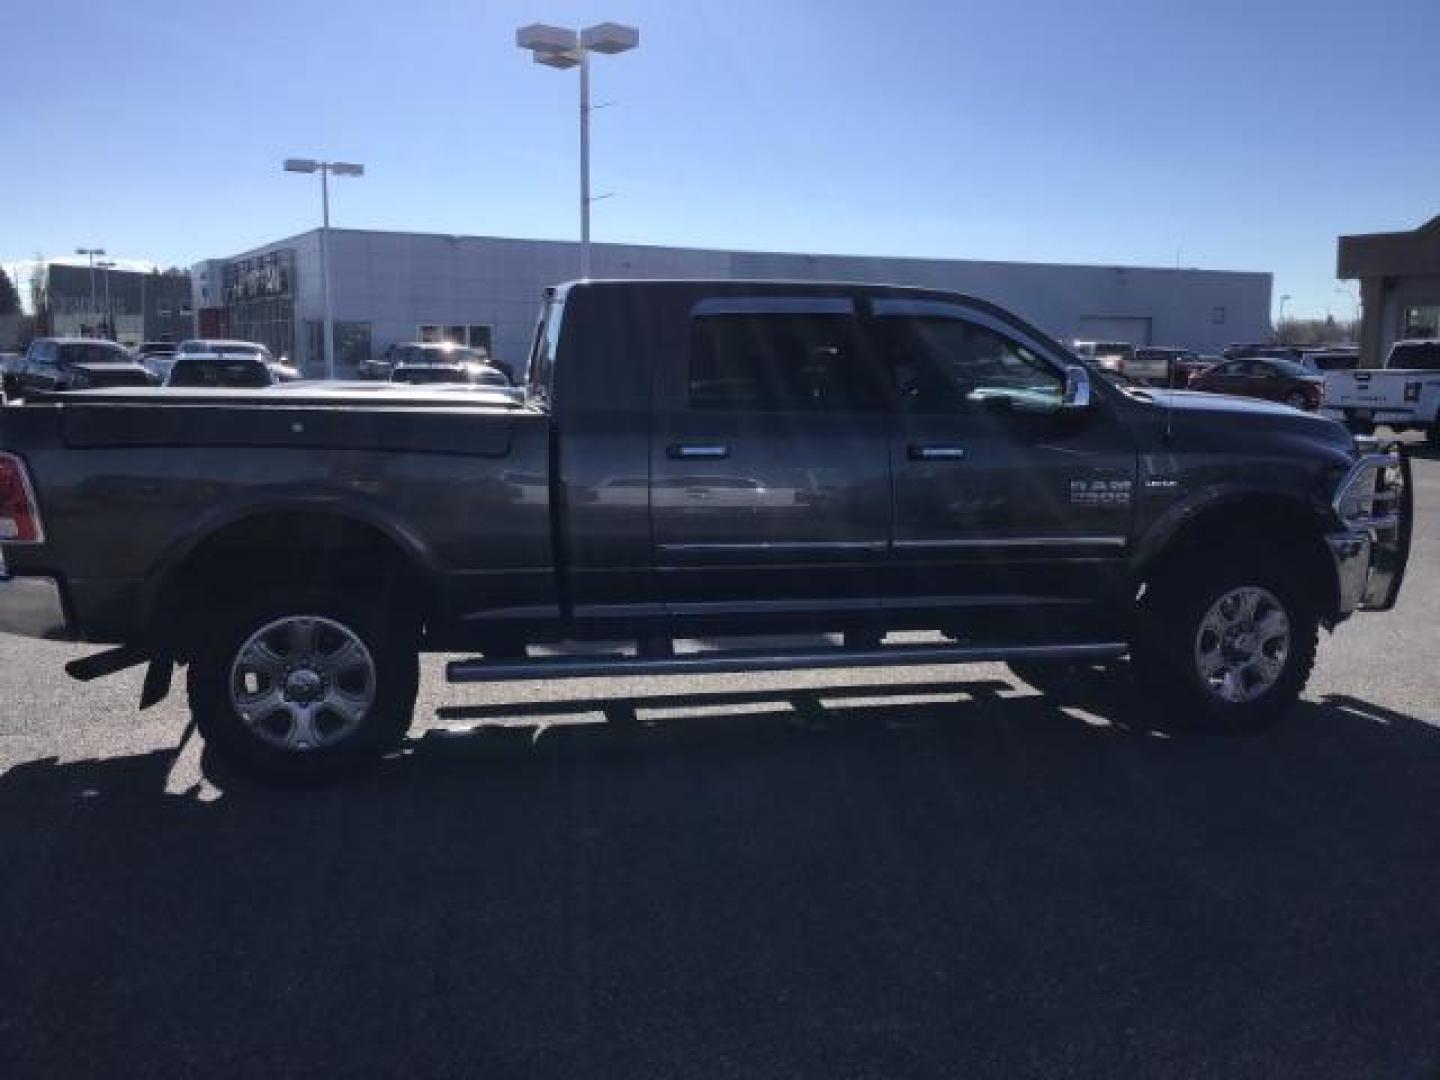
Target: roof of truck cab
x=740, y=286
x=763, y=286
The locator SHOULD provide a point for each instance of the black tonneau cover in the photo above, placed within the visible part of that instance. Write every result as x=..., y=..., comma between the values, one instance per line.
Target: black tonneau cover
x=466, y=423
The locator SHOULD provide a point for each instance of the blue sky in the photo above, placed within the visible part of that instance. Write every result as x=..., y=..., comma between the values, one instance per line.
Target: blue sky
x=1242, y=135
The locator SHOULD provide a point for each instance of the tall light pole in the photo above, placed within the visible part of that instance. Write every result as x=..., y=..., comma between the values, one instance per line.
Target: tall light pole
x=105, y=265
x=90, y=253
x=557, y=47
x=325, y=168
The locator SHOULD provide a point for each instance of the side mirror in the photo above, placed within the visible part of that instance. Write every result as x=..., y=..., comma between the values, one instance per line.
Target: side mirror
x=1077, y=389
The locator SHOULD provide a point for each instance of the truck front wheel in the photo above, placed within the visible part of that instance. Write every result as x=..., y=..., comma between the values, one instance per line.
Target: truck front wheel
x=1229, y=647
x=294, y=688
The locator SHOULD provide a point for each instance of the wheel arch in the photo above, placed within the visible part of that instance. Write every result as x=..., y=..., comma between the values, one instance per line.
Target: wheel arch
x=1274, y=521
x=278, y=537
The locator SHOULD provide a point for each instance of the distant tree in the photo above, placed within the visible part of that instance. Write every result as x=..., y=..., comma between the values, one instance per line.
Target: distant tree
x=1326, y=331
x=40, y=297
x=9, y=298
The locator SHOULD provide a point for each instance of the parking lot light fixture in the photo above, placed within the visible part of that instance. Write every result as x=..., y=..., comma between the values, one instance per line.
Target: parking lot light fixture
x=90, y=253
x=105, y=265
x=563, y=48
x=325, y=168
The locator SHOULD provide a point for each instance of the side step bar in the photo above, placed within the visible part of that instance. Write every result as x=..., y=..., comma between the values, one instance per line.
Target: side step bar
x=736, y=661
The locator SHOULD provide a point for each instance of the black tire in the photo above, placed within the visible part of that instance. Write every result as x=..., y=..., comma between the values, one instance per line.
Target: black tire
x=1166, y=655
x=392, y=663
x=1432, y=437
x=1360, y=427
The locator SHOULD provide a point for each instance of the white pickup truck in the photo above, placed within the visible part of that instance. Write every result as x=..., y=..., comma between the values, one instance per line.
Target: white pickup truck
x=1403, y=395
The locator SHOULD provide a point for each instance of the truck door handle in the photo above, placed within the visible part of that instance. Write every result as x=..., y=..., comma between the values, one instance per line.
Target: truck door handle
x=692, y=452
x=936, y=453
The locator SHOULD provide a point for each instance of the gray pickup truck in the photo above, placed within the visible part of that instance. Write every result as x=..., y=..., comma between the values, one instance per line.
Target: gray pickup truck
x=687, y=461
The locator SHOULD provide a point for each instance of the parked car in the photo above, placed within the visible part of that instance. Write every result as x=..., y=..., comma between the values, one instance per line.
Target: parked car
x=225, y=347
x=445, y=364
x=1118, y=356
x=1164, y=366
x=693, y=458
x=1285, y=381
x=57, y=364
x=1404, y=395
x=422, y=354
x=157, y=356
x=1319, y=361
x=235, y=370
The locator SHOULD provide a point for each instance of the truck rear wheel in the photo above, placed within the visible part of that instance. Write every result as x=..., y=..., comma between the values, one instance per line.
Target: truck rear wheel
x=299, y=687
x=1227, y=648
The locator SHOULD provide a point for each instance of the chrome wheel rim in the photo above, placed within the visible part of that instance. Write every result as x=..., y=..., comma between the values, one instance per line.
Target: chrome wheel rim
x=1242, y=644
x=302, y=683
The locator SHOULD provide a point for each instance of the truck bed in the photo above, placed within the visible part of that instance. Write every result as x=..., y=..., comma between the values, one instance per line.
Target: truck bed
x=132, y=481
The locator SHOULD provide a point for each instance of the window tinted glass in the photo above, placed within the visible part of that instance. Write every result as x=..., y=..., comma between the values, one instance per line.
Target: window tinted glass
x=93, y=352
x=1284, y=369
x=541, y=375
x=781, y=361
x=237, y=372
x=950, y=365
x=1420, y=355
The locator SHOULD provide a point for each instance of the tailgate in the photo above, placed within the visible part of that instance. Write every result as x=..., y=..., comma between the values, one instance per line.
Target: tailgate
x=1364, y=389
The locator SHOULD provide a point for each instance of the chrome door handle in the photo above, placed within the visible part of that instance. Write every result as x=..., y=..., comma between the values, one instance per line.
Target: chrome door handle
x=937, y=453
x=709, y=451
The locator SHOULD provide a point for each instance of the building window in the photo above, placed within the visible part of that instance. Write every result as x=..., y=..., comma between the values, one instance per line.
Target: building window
x=1421, y=322
x=163, y=310
x=352, y=345
x=185, y=308
x=1217, y=316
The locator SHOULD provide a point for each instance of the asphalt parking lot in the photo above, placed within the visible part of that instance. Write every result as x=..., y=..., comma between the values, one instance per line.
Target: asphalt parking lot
x=927, y=872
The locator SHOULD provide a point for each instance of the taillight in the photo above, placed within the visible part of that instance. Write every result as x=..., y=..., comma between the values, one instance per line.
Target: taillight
x=19, y=513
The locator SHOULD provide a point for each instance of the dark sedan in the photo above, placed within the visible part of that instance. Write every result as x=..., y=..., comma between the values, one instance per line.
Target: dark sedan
x=77, y=364
x=1284, y=381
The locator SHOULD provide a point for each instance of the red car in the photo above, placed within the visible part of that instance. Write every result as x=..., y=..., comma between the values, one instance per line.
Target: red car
x=1274, y=380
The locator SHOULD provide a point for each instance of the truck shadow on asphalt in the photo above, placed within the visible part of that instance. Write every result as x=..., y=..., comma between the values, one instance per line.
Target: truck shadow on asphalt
x=936, y=878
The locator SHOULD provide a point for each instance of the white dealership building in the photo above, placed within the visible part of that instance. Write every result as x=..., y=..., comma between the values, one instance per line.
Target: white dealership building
x=390, y=287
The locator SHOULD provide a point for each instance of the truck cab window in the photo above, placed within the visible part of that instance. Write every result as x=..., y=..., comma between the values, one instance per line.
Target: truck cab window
x=541, y=376
x=947, y=365
x=779, y=362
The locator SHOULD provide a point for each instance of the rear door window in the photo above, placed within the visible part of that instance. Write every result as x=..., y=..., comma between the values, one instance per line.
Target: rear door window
x=778, y=354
